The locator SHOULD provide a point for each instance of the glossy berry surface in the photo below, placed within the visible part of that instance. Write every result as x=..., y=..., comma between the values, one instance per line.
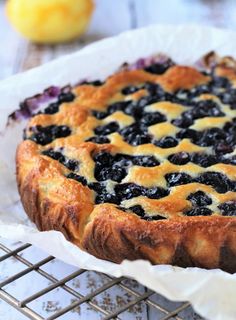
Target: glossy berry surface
x=199, y=198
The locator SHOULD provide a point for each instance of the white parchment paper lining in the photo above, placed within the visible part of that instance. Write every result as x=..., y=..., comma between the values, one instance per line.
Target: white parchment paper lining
x=212, y=293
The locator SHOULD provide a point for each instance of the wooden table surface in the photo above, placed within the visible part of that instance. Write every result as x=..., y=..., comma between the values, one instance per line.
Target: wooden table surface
x=110, y=18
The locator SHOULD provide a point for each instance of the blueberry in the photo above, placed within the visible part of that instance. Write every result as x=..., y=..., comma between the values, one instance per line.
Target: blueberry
x=152, y=118
x=188, y=134
x=107, y=128
x=136, y=140
x=179, y=158
x=66, y=97
x=206, y=108
x=123, y=160
x=106, y=197
x=199, y=199
x=166, y=142
x=71, y=164
x=99, y=114
x=229, y=97
x=156, y=193
x=129, y=90
x=127, y=191
x=99, y=139
x=41, y=138
x=134, y=128
x=45, y=135
x=177, y=178
x=95, y=83
x=145, y=161
x=159, y=67
x=117, y=106
x=137, y=209
x=114, y=173
x=154, y=89
x=56, y=155
x=230, y=127
x=103, y=158
x=102, y=174
x=220, y=82
x=223, y=148
x=203, y=88
x=60, y=131
x=117, y=173
x=135, y=110
x=144, y=101
x=231, y=160
x=135, y=134
x=210, y=136
x=228, y=208
x=204, y=160
x=199, y=211
x=215, y=179
x=97, y=187
x=52, y=108
x=78, y=178
x=185, y=121
x=154, y=218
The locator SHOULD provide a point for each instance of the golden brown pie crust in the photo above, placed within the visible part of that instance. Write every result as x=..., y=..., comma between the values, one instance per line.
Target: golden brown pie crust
x=55, y=202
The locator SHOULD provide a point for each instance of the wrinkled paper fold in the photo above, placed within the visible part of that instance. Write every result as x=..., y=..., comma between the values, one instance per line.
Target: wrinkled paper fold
x=211, y=292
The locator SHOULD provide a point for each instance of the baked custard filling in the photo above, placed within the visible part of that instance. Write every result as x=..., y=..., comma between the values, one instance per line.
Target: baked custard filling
x=155, y=133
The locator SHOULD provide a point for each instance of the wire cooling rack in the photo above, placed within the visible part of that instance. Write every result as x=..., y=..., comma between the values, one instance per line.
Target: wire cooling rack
x=39, y=287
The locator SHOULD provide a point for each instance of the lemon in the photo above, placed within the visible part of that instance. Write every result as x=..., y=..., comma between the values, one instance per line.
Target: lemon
x=50, y=21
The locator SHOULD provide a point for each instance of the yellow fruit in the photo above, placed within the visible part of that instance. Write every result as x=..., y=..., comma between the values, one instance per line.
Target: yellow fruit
x=50, y=21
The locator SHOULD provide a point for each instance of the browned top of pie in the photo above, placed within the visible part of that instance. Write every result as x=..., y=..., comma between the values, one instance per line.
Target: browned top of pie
x=157, y=142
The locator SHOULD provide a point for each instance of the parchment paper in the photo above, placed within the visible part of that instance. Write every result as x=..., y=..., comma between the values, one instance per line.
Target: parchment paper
x=212, y=293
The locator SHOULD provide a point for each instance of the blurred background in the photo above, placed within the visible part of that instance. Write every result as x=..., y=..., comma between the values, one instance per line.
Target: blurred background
x=86, y=21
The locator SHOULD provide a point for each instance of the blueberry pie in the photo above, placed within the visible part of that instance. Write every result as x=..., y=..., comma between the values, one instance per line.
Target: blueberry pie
x=140, y=166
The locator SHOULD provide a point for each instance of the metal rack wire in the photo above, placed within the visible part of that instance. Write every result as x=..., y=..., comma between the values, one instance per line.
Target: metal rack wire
x=137, y=294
